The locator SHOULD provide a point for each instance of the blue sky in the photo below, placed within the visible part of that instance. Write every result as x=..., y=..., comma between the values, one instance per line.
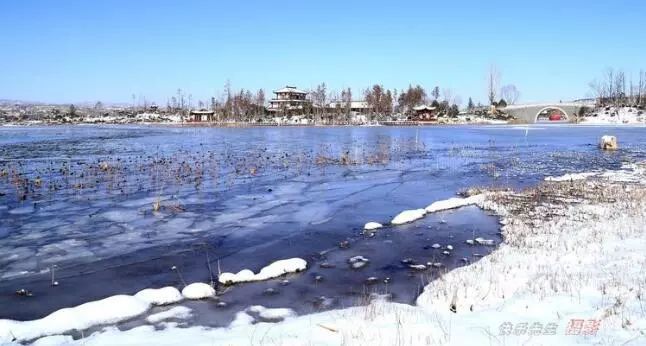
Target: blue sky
x=77, y=50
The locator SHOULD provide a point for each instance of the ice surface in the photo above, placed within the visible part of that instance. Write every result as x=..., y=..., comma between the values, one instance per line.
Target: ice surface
x=601, y=266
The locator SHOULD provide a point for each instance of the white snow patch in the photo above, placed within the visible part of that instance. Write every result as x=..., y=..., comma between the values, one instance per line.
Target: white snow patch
x=160, y=296
x=372, y=226
x=407, y=216
x=571, y=176
x=615, y=116
x=106, y=311
x=177, y=312
x=198, y=290
x=275, y=269
x=54, y=340
x=455, y=202
x=242, y=319
x=277, y=314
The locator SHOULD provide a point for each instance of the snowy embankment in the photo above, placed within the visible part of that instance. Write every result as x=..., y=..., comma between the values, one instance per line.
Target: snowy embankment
x=616, y=116
x=572, y=270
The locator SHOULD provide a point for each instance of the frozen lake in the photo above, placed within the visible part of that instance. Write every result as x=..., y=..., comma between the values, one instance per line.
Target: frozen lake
x=115, y=207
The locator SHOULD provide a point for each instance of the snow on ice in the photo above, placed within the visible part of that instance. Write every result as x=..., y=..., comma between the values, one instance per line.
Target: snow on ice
x=198, y=290
x=275, y=269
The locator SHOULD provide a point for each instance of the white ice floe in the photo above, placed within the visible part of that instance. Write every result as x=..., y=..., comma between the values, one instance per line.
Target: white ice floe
x=177, y=312
x=358, y=262
x=106, y=311
x=483, y=241
x=407, y=216
x=160, y=296
x=198, y=290
x=455, y=202
x=276, y=269
x=372, y=226
x=572, y=176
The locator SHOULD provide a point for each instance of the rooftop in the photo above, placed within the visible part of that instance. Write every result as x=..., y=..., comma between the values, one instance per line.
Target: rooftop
x=424, y=108
x=289, y=89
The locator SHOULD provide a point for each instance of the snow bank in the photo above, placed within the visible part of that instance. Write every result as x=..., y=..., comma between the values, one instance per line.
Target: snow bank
x=615, y=116
x=160, y=296
x=177, y=312
x=407, y=216
x=276, y=269
x=198, y=290
x=590, y=269
x=106, y=311
x=455, y=202
x=372, y=226
x=54, y=340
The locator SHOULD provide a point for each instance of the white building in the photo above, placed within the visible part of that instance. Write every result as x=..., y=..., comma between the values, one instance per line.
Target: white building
x=356, y=107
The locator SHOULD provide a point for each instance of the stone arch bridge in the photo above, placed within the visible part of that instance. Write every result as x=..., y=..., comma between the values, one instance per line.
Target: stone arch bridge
x=529, y=112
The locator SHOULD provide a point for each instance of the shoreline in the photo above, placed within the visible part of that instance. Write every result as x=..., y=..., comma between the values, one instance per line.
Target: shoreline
x=256, y=125
x=594, y=224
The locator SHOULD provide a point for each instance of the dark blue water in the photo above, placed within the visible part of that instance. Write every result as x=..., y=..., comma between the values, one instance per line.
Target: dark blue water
x=83, y=199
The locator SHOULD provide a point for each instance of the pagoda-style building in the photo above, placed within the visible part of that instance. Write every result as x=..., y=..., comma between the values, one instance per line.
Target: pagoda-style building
x=288, y=100
x=424, y=113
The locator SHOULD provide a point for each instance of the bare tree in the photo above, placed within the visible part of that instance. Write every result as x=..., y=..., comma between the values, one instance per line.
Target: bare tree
x=509, y=93
x=346, y=97
x=447, y=93
x=641, y=87
x=620, y=87
x=260, y=101
x=493, y=83
x=228, y=102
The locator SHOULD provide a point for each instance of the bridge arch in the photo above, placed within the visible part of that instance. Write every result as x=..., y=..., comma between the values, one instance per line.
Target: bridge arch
x=567, y=116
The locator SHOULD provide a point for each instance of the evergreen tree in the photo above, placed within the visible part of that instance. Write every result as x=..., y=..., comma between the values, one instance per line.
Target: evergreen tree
x=436, y=92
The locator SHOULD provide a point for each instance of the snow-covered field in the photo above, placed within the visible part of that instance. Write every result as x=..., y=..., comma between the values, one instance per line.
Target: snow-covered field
x=572, y=270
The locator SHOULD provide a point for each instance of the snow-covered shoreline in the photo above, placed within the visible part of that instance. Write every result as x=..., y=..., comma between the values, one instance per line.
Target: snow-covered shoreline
x=574, y=250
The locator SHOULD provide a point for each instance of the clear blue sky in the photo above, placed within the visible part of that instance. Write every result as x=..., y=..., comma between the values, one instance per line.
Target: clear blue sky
x=80, y=50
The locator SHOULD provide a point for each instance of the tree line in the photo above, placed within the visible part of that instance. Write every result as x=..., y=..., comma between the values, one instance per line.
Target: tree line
x=614, y=88
x=324, y=105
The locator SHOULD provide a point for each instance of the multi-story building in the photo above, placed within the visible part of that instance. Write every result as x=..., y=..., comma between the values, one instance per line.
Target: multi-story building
x=289, y=100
